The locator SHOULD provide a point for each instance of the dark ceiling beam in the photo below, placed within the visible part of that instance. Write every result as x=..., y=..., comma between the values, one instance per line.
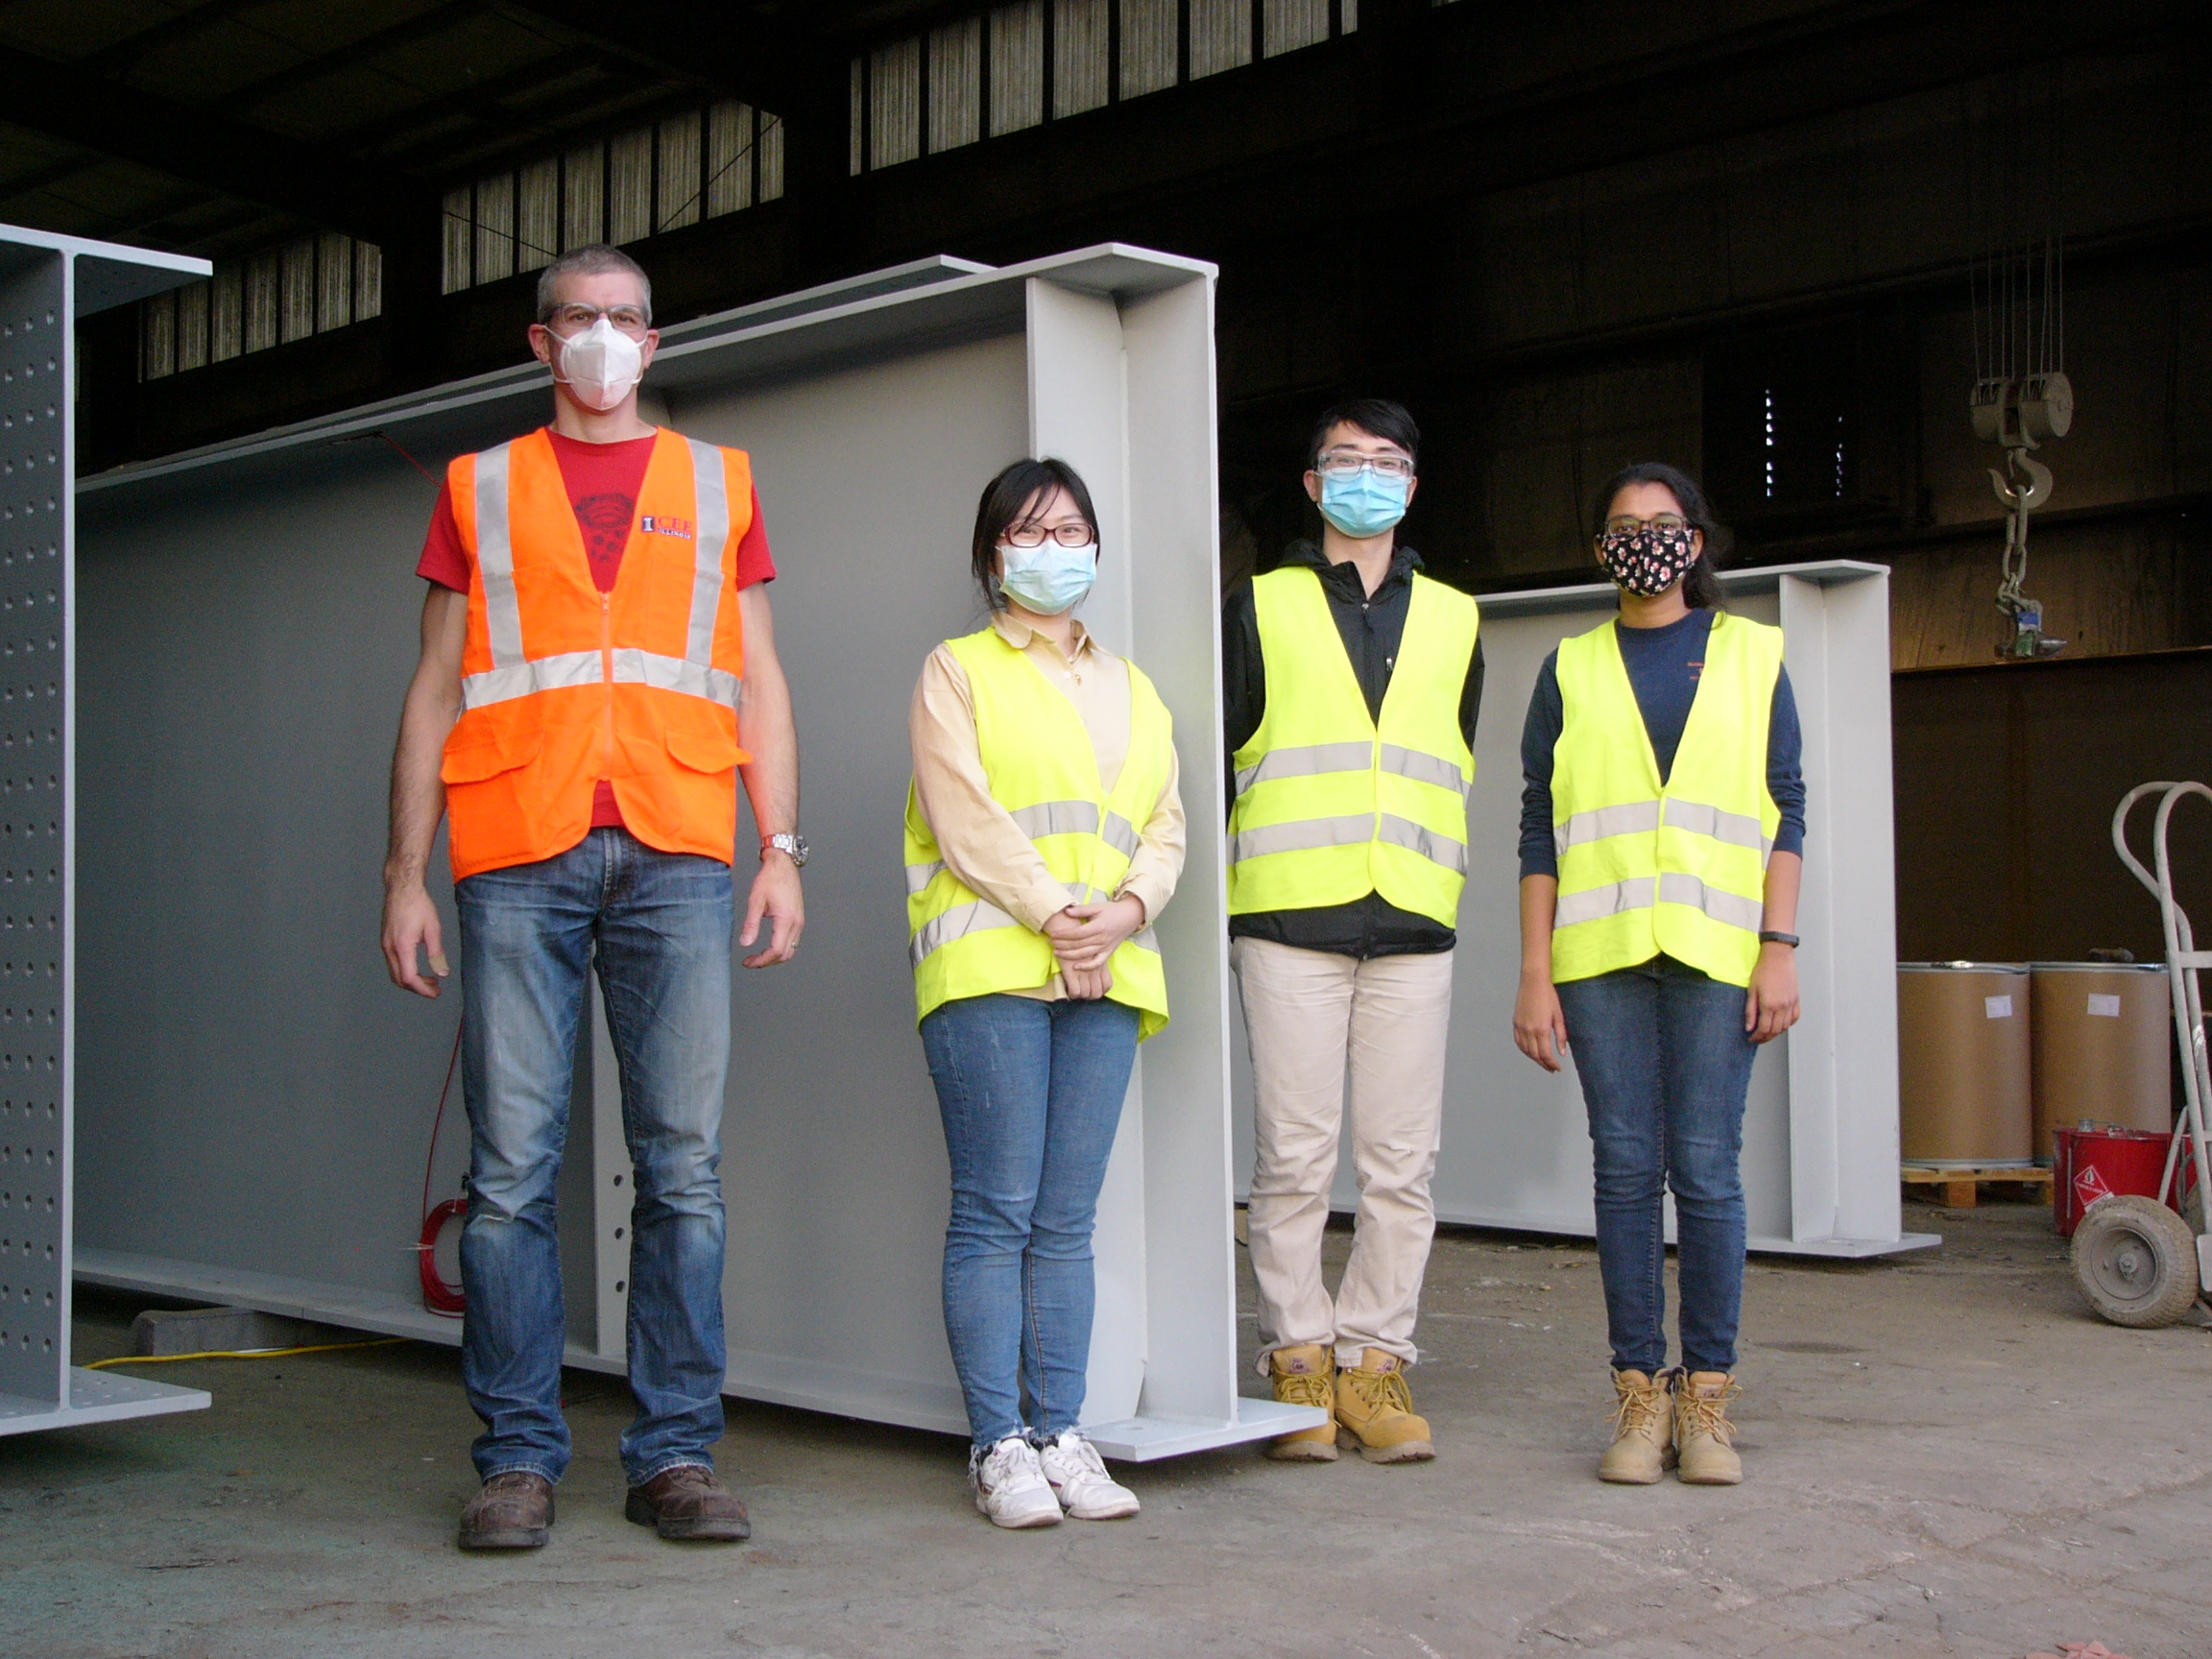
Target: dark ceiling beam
x=51, y=174
x=745, y=51
x=121, y=58
x=322, y=185
x=479, y=104
x=355, y=53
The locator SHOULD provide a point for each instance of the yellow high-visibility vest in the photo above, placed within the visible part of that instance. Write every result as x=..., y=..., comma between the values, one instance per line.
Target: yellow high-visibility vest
x=1041, y=768
x=1333, y=805
x=1679, y=867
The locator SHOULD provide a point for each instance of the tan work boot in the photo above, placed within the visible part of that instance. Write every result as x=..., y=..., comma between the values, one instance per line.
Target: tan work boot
x=1704, y=1439
x=1643, y=1445
x=1376, y=1411
x=1302, y=1378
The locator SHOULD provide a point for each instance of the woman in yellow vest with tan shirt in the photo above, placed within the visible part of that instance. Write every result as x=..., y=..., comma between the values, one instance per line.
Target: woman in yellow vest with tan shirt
x=1044, y=836
x=1662, y=824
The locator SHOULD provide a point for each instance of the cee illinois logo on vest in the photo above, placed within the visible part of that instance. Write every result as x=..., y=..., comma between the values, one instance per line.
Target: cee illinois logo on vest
x=654, y=524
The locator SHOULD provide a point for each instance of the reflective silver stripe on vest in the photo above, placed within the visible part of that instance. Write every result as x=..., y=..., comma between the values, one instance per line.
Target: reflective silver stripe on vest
x=1147, y=940
x=710, y=491
x=513, y=675
x=1310, y=761
x=1733, y=827
x=522, y=679
x=1303, y=834
x=634, y=667
x=1614, y=898
x=1424, y=768
x=1048, y=818
x=1636, y=817
x=1119, y=833
x=496, y=559
x=1718, y=904
x=957, y=923
x=1437, y=848
x=1057, y=818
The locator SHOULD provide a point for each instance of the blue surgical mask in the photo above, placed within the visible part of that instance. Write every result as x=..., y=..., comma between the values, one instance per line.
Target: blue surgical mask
x=1365, y=504
x=1049, y=579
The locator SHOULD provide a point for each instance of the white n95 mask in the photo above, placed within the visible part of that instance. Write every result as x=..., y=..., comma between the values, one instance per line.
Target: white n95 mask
x=599, y=366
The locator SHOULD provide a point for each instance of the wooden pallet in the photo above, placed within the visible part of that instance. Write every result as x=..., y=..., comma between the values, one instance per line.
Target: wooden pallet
x=1961, y=1187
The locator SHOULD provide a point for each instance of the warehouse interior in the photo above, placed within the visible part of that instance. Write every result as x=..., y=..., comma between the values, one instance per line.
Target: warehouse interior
x=1780, y=243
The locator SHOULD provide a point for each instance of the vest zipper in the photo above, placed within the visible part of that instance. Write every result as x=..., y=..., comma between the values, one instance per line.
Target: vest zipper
x=607, y=680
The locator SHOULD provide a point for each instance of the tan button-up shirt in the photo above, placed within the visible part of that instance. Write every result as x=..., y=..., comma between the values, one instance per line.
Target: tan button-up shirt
x=978, y=839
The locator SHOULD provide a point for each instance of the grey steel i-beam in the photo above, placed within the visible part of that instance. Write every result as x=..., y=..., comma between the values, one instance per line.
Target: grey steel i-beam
x=261, y=1110
x=46, y=282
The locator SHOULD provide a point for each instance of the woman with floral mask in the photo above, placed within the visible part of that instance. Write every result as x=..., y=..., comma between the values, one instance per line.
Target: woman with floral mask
x=1662, y=831
x=1044, y=836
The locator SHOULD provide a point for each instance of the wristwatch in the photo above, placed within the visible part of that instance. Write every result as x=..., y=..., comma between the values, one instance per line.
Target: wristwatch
x=788, y=842
x=1772, y=937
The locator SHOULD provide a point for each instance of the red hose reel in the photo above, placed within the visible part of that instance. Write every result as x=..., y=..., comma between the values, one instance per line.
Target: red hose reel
x=439, y=1294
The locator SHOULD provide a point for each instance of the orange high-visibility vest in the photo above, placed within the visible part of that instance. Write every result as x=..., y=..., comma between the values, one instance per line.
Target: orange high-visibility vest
x=563, y=686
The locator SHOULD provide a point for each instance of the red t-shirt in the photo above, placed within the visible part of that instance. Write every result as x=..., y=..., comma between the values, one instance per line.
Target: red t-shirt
x=603, y=481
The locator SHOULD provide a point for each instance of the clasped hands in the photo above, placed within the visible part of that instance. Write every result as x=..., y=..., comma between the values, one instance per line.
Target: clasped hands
x=1084, y=936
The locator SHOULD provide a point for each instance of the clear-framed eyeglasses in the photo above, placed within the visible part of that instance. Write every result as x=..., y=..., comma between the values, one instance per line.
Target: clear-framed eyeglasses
x=1077, y=534
x=1350, y=464
x=576, y=317
x=1665, y=523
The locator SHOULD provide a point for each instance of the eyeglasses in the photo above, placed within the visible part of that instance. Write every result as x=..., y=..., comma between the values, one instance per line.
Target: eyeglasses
x=1077, y=534
x=576, y=317
x=1350, y=462
x=1665, y=524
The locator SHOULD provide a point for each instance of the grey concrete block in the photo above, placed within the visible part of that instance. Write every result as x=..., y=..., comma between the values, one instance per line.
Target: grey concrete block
x=168, y=1331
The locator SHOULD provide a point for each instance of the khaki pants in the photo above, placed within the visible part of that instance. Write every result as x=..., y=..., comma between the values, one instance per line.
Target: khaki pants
x=1310, y=1013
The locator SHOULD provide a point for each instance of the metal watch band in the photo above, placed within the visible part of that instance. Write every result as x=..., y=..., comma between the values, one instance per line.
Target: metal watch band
x=788, y=842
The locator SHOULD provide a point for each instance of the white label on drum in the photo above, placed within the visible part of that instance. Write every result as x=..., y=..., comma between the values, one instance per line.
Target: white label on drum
x=1997, y=1007
x=2104, y=1007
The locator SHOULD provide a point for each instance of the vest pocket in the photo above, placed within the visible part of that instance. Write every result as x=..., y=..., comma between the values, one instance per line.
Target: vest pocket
x=711, y=750
x=473, y=753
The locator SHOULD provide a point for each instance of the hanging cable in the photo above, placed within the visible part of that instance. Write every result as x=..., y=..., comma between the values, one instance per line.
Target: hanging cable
x=439, y=1294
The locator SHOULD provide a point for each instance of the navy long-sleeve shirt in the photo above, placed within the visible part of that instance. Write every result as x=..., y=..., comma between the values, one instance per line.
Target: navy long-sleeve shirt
x=1663, y=666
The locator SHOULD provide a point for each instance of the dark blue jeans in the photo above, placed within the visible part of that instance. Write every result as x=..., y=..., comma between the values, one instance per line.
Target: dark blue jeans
x=1031, y=1094
x=1665, y=1064
x=658, y=924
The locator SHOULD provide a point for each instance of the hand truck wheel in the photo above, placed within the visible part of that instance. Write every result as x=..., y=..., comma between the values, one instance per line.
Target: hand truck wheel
x=2136, y=1261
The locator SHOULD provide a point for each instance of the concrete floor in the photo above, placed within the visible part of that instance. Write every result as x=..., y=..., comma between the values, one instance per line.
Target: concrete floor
x=1946, y=1453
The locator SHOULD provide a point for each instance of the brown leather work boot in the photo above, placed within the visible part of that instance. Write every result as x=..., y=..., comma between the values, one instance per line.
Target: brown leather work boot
x=1705, y=1438
x=1302, y=1377
x=510, y=1511
x=1375, y=1411
x=1643, y=1445
x=688, y=1502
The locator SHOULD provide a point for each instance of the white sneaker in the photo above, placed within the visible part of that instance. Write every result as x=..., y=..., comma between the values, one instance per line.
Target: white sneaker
x=1010, y=1487
x=1078, y=1475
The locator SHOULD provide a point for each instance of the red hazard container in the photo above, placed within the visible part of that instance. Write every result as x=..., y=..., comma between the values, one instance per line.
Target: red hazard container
x=2093, y=1163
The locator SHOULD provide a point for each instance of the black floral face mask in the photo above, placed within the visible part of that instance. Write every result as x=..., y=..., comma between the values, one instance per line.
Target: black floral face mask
x=1648, y=561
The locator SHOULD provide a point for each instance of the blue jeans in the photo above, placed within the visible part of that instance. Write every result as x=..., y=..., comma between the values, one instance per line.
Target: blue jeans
x=1664, y=1065
x=1031, y=1094
x=657, y=925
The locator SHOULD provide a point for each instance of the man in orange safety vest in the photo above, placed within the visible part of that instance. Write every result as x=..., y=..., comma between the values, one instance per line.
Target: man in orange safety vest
x=598, y=673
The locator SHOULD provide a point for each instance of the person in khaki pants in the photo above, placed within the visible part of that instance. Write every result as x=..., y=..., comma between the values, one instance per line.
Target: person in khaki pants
x=1353, y=683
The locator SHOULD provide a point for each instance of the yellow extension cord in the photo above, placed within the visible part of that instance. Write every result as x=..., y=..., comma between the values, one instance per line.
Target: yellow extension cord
x=240, y=1353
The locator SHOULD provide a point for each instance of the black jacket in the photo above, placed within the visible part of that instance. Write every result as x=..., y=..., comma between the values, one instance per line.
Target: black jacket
x=1371, y=627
